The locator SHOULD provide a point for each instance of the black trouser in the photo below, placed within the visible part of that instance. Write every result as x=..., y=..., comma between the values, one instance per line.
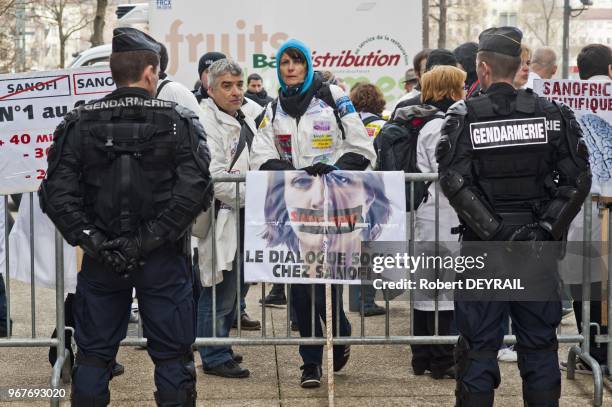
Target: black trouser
x=599, y=353
x=435, y=358
x=101, y=314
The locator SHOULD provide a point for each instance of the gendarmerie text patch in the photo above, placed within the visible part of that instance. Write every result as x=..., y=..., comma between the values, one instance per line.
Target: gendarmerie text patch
x=508, y=133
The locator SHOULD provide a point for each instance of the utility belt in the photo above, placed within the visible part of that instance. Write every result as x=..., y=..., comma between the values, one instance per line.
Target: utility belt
x=508, y=219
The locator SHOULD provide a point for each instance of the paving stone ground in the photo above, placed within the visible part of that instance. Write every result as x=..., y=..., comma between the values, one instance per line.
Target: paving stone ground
x=377, y=375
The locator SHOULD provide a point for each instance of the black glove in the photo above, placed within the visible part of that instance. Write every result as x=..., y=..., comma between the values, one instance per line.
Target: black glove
x=92, y=242
x=123, y=254
x=534, y=237
x=531, y=232
x=319, y=169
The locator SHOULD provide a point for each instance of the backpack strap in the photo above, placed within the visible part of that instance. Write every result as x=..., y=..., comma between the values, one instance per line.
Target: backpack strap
x=161, y=86
x=324, y=93
x=371, y=119
x=525, y=101
x=481, y=107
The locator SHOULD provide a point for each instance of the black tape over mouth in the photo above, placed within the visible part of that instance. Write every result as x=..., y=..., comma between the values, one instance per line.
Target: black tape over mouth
x=338, y=221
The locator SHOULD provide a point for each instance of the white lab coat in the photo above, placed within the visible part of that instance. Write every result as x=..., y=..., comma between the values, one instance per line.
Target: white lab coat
x=425, y=214
x=223, y=134
x=178, y=93
x=44, y=249
x=317, y=137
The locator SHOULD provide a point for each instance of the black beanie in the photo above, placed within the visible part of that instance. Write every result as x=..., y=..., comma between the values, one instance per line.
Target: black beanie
x=208, y=59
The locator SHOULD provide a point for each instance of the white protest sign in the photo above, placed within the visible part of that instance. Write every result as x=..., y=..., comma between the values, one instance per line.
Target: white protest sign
x=303, y=229
x=592, y=103
x=32, y=104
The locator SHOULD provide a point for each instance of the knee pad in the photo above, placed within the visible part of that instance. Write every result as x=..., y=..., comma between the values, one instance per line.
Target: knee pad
x=183, y=365
x=94, y=379
x=463, y=359
x=532, y=397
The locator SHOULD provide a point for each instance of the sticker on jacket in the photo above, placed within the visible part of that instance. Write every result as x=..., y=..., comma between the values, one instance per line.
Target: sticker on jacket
x=508, y=133
x=345, y=106
x=373, y=129
x=321, y=140
x=283, y=145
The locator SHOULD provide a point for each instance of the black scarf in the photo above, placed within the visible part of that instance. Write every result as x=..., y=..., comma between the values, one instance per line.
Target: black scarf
x=443, y=104
x=296, y=104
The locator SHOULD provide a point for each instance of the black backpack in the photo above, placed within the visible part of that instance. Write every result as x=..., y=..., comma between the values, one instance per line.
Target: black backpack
x=324, y=94
x=396, y=146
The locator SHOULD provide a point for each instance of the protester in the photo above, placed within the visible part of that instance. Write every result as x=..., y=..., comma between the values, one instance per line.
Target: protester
x=230, y=135
x=410, y=82
x=466, y=59
x=249, y=108
x=435, y=57
x=284, y=142
x=90, y=191
x=594, y=64
x=440, y=88
x=543, y=65
x=522, y=75
x=255, y=90
x=369, y=102
x=493, y=186
x=204, y=63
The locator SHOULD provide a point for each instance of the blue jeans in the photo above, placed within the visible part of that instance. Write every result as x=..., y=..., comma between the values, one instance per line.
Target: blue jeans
x=302, y=303
x=226, y=313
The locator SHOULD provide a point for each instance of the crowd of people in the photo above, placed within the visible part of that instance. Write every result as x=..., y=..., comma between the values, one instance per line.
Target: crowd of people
x=229, y=125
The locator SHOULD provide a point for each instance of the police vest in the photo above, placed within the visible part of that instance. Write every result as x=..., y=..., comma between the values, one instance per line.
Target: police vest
x=513, y=154
x=129, y=147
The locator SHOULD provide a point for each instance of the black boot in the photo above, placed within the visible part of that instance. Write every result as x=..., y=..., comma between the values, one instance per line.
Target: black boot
x=276, y=296
x=82, y=400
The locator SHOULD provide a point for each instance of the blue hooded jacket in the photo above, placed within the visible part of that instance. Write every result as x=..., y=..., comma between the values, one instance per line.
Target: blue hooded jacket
x=303, y=48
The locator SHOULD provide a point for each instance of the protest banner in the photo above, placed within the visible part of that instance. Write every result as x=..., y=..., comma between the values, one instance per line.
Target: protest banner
x=303, y=229
x=591, y=101
x=32, y=104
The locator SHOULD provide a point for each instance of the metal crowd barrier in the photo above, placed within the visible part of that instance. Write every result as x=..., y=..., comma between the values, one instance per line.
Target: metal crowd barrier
x=581, y=350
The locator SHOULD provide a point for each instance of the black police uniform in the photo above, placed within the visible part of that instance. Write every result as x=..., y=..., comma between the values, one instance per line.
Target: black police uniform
x=526, y=185
x=127, y=176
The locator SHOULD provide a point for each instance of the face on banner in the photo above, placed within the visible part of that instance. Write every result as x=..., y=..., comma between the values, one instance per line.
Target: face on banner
x=328, y=211
x=333, y=213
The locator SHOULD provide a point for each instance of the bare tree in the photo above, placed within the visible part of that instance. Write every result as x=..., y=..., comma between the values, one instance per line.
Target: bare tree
x=8, y=36
x=441, y=20
x=542, y=18
x=57, y=11
x=97, y=37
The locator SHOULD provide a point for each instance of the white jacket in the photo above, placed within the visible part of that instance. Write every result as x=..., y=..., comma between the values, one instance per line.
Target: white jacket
x=425, y=215
x=317, y=137
x=223, y=134
x=251, y=108
x=178, y=93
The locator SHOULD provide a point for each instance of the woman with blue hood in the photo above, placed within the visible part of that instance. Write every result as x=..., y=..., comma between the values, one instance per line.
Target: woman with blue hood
x=314, y=127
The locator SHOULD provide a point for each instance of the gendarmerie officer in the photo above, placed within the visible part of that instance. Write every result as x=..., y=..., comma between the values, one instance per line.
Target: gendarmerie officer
x=127, y=176
x=515, y=168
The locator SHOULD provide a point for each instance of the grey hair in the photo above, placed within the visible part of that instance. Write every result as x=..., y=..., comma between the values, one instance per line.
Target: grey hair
x=222, y=67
